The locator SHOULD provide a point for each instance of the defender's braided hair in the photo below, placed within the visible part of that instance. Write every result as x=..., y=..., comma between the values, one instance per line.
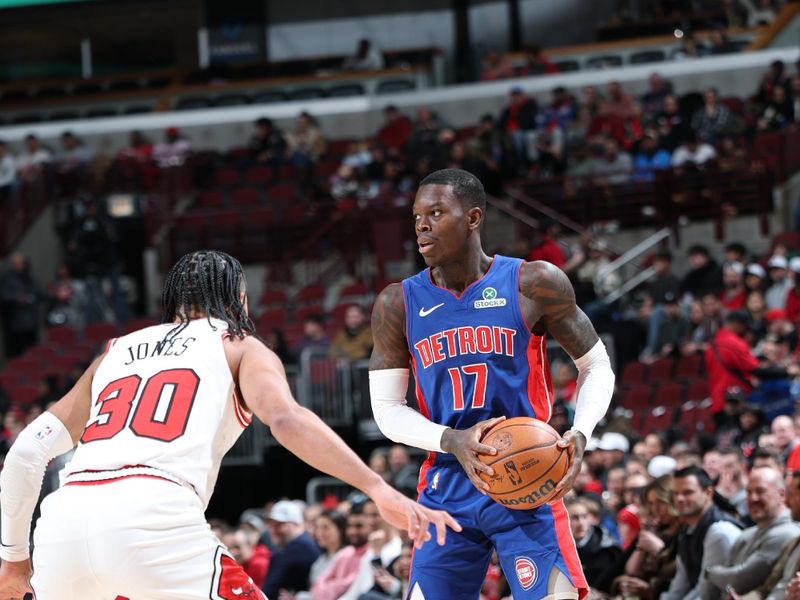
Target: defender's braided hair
x=207, y=282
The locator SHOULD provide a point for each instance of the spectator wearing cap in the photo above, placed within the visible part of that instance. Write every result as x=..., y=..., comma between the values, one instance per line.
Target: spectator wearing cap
x=661, y=465
x=705, y=538
x=757, y=548
x=294, y=549
x=793, y=295
x=650, y=158
x=518, y=121
x=174, y=151
x=704, y=275
x=780, y=283
x=755, y=278
x=628, y=524
x=614, y=447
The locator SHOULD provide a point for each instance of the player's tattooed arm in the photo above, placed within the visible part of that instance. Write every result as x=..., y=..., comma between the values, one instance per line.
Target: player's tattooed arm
x=390, y=350
x=552, y=304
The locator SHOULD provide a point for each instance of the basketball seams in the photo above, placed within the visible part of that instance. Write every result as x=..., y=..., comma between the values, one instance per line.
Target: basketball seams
x=521, y=450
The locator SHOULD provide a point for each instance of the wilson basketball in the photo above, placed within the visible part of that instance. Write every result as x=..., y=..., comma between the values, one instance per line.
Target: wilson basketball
x=528, y=464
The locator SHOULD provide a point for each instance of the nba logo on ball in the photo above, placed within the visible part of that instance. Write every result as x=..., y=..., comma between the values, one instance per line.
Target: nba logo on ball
x=526, y=572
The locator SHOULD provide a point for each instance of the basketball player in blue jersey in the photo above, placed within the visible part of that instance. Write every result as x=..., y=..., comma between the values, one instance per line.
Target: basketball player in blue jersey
x=473, y=329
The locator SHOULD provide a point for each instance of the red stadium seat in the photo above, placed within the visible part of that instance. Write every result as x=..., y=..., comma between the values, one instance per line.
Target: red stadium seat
x=661, y=370
x=210, y=200
x=9, y=379
x=245, y=197
x=258, y=176
x=633, y=374
x=689, y=367
x=270, y=319
x=61, y=335
x=100, y=333
x=272, y=298
x=281, y=193
x=137, y=324
x=301, y=314
x=325, y=168
x=23, y=394
x=636, y=398
x=40, y=352
x=226, y=178
x=668, y=394
x=338, y=148
x=697, y=391
x=311, y=293
x=658, y=419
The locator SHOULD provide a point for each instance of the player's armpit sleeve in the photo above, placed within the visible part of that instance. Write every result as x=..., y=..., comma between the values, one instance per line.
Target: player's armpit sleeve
x=594, y=390
x=396, y=420
x=21, y=480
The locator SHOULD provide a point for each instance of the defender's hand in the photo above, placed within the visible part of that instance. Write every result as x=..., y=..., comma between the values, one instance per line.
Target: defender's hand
x=15, y=580
x=465, y=445
x=403, y=513
x=573, y=442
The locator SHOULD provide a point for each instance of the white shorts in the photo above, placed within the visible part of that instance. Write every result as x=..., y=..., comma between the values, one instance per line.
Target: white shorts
x=132, y=539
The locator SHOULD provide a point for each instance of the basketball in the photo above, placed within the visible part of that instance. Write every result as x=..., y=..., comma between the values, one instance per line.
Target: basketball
x=528, y=464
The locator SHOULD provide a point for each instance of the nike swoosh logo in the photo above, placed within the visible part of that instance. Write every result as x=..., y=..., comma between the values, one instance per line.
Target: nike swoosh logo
x=425, y=313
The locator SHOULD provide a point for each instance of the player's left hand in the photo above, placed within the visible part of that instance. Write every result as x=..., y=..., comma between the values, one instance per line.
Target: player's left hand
x=15, y=580
x=573, y=442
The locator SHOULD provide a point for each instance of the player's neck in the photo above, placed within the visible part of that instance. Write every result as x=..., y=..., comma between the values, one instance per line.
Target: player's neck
x=457, y=276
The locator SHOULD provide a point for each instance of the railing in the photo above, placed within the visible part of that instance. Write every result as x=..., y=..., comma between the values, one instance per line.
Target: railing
x=669, y=199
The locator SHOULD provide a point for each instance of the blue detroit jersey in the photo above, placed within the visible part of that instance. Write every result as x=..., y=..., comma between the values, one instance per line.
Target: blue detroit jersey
x=473, y=355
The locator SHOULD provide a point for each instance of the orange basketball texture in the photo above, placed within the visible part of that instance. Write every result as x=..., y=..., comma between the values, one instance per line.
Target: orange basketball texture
x=528, y=464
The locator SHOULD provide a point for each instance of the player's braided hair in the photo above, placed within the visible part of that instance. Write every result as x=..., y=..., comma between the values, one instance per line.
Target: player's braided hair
x=207, y=282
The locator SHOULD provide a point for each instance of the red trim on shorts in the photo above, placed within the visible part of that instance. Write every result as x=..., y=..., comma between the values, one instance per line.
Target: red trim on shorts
x=113, y=479
x=566, y=543
x=539, y=391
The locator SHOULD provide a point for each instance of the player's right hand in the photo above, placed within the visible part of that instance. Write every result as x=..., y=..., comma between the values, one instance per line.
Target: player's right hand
x=403, y=513
x=465, y=445
x=15, y=580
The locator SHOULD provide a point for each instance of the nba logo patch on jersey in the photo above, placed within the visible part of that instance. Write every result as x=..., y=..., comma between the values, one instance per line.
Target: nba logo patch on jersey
x=435, y=482
x=526, y=572
x=490, y=299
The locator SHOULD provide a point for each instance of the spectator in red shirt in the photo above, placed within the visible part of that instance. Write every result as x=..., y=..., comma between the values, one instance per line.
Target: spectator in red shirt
x=733, y=295
x=254, y=557
x=396, y=129
x=536, y=63
x=793, y=296
x=545, y=246
x=495, y=67
x=729, y=361
x=606, y=123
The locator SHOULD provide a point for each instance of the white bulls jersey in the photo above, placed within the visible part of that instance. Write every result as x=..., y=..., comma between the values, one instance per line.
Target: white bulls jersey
x=163, y=409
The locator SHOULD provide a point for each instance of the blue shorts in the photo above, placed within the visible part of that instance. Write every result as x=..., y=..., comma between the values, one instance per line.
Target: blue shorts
x=529, y=543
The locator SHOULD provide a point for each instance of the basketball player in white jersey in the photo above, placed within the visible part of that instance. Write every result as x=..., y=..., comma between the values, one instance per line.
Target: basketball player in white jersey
x=152, y=418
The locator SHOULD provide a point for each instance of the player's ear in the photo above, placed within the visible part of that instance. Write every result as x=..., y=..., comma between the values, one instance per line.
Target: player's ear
x=474, y=217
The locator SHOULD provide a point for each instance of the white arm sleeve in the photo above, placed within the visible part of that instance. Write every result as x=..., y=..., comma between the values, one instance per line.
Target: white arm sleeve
x=21, y=481
x=595, y=388
x=396, y=420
